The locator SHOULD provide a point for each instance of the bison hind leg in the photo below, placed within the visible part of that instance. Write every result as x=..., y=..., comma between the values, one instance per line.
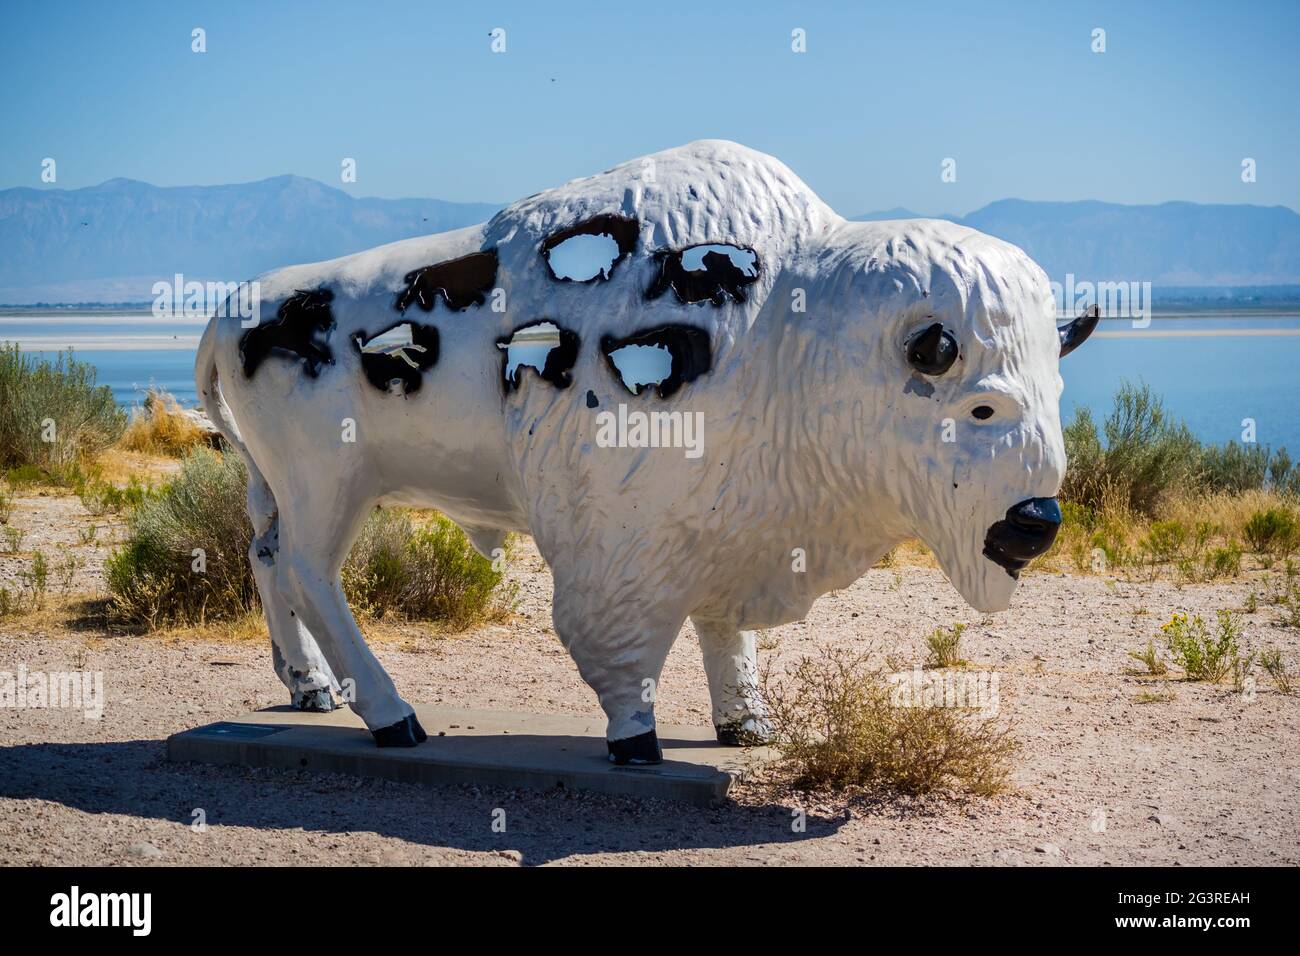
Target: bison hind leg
x=298, y=660
x=308, y=690
x=731, y=665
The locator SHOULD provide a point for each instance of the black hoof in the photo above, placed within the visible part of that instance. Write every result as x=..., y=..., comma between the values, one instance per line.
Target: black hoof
x=641, y=749
x=746, y=734
x=407, y=732
x=315, y=701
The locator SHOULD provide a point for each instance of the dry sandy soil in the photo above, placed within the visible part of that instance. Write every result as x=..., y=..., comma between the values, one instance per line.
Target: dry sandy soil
x=1208, y=776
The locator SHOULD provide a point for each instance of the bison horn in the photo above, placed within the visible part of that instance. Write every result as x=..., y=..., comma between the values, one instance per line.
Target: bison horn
x=1074, y=332
x=932, y=350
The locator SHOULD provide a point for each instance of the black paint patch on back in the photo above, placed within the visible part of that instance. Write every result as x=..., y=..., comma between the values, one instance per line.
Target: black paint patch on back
x=400, y=363
x=558, y=367
x=689, y=347
x=300, y=329
x=460, y=283
x=592, y=400
x=718, y=280
x=621, y=229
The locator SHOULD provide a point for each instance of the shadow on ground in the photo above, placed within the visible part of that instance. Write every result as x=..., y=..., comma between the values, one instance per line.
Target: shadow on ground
x=134, y=778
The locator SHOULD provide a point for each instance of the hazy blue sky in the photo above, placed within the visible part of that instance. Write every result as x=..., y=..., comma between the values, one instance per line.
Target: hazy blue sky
x=883, y=94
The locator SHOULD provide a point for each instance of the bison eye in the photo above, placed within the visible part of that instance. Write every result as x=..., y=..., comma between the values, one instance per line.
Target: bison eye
x=982, y=412
x=932, y=350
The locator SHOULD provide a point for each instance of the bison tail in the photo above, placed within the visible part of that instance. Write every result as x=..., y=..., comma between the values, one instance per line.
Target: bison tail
x=208, y=382
x=208, y=385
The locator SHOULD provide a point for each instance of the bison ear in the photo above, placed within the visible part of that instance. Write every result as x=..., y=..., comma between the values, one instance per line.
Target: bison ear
x=932, y=350
x=1074, y=332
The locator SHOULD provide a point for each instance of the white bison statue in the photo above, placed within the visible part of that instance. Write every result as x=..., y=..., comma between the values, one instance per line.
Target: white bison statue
x=702, y=392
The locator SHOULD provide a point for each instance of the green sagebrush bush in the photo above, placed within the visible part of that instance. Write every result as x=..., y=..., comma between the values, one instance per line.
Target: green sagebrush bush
x=419, y=570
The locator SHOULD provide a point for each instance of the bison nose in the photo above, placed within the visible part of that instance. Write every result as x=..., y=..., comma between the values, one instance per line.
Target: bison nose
x=1027, y=531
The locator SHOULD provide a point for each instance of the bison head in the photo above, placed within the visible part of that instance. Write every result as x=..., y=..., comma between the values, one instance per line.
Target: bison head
x=959, y=345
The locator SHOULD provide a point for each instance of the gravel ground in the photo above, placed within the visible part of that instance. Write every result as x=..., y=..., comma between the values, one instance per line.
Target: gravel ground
x=1209, y=776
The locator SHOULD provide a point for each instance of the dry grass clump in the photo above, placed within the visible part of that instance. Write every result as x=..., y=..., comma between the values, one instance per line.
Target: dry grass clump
x=838, y=726
x=1190, y=538
x=944, y=646
x=161, y=427
x=1276, y=667
x=1150, y=657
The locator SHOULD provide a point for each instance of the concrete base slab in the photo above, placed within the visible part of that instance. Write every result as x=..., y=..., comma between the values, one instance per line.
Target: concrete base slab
x=483, y=747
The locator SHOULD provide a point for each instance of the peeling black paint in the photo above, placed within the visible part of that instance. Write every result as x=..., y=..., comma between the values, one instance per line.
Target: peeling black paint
x=919, y=386
x=399, y=364
x=719, y=280
x=460, y=283
x=560, y=360
x=622, y=230
x=298, y=322
x=641, y=749
x=692, y=354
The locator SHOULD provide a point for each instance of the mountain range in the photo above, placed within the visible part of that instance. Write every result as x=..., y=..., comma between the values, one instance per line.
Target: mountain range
x=1170, y=244
x=111, y=242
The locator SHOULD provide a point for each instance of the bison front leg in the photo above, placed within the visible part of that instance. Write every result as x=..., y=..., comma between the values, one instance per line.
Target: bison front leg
x=315, y=536
x=731, y=665
x=620, y=653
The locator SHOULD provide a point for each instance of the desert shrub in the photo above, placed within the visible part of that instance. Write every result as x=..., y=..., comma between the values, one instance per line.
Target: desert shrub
x=1201, y=655
x=1280, y=475
x=1076, y=515
x=11, y=540
x=1233, y=468
x=161, y=427
x=1147, y=455
x=1276, y=668
x=421, y=570
x=837, y=727
x=11, y=602
x=1085, y=472
x=1275, y=531
x=1223, y=562
x=101, y=497
x=59, y=400
x=1144, y=456
x=185, y=559
x=944, y=646
x=1165, y=540
x=6, y=504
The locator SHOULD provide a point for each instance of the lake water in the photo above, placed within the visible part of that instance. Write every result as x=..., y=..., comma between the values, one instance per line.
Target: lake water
x=1212, y=370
